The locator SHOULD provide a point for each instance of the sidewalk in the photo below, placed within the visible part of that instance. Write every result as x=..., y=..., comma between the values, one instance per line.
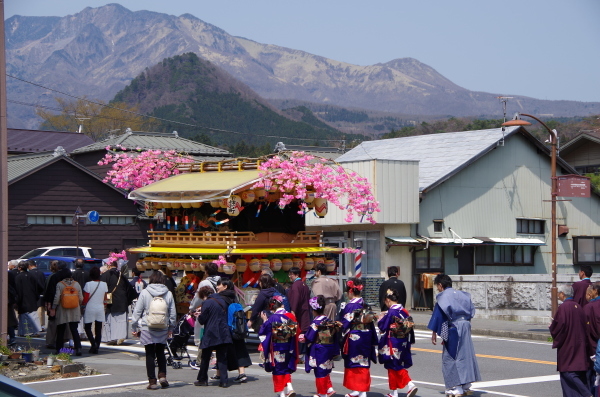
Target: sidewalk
x=534, y=330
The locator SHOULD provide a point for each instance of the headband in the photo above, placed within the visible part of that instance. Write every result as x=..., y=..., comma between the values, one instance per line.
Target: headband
x=350, y=284
x=278, y=298
x=314, y=304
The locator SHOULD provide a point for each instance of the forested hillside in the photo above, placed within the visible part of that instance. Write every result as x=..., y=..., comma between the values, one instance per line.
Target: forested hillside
x=207, y=103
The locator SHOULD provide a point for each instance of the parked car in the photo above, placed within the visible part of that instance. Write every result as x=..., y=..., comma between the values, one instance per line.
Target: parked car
x=80, y=252
x=43, y=262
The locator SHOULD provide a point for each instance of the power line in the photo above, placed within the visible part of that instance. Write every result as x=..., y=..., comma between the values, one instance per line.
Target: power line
x=161, y=119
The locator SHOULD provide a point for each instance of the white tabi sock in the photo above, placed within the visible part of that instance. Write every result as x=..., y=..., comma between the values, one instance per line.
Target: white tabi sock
x=410, y=385
x=394, y=393
x=282, y=393
x=330, y=390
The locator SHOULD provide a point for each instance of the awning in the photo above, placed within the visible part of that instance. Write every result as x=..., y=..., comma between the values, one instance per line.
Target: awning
x=196, y=186
x=178, y=251
x=236, y=251
x=402, y=240
x=512, y=241
x=454, y=241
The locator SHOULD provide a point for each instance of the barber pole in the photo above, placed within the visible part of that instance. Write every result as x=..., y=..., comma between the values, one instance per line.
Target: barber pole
x=358, y=265
x=187, y=222
x=168, y=222
x=175, y=224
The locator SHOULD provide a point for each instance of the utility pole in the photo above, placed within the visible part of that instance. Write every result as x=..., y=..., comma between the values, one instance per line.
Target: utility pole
x=3, y=187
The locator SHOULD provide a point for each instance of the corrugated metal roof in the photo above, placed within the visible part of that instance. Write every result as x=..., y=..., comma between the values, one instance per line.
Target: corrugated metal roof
x=22, y=164
x=439, y=155
x=36, y=141
x=155, y=140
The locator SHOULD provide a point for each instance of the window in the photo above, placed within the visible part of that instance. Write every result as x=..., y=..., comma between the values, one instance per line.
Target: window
x=429, y=259
x=531, y=226
x=39, y=219
x=371, y=261
x=586, y=250
x=438, y=225
x=588, y=169
x=510, y=255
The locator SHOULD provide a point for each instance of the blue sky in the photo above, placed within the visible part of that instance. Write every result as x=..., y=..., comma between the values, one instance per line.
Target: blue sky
x=543, y=49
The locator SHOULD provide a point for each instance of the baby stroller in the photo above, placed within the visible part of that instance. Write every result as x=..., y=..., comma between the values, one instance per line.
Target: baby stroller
x=177, y=345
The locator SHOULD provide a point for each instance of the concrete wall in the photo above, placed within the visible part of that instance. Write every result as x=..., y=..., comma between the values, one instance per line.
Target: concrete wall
x=512, y=297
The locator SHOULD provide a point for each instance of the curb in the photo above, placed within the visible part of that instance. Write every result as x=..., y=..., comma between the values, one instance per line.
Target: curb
x=502, y=333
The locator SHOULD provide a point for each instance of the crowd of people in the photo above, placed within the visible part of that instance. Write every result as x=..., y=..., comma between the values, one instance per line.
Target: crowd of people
x=68, y=304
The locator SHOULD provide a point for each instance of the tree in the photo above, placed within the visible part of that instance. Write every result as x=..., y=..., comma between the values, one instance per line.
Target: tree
x=98, y=119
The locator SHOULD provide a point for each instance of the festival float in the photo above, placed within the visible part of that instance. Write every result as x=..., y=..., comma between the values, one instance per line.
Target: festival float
x=243, y=214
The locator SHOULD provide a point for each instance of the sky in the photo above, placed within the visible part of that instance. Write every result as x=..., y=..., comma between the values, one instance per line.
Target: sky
x=546, y=49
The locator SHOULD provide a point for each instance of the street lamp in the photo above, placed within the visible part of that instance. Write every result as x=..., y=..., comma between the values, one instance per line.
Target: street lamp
x=553, y=143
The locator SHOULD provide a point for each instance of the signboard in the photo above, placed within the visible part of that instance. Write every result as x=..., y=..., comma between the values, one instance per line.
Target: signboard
x=93, y=216
x=573, y=186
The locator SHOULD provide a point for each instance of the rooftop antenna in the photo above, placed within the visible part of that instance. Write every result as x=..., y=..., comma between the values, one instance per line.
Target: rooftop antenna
x=503, y=100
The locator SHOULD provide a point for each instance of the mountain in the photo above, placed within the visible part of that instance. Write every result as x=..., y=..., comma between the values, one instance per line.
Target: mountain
x=195, y=92
x=98, y=51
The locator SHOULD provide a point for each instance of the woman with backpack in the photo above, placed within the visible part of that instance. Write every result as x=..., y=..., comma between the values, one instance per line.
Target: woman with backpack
x=278, y=338
x=322, y=346
x=396, y=326
x=156, y=310
x=237, y=353
x=267, y=291
x=358, y=341
x=67, y=310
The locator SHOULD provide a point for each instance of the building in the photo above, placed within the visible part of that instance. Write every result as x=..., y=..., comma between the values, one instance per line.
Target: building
x=47, y=186
x=44, y=192
x=133, y=141
x=22, y=141
x=471, y=204
x=583, y=152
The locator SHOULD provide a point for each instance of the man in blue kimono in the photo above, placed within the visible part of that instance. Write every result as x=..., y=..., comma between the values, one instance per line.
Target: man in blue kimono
x=451, y=320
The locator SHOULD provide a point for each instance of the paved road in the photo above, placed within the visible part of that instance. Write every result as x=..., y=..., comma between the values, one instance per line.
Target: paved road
x=509, y=367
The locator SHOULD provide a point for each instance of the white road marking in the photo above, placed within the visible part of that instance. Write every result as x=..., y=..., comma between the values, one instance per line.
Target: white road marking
x=517, y=381
x=97, y=388
x=64, y=379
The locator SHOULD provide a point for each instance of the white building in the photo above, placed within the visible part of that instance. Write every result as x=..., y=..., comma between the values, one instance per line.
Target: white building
x=473, y=204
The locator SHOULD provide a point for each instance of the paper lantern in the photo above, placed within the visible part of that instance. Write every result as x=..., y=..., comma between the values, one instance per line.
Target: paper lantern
x=309, y=263
x=248, y=196
x=223, y=202
x=195, y=264
x=169, y=263
x=178, y=265
x=162, y=263
x=254, y=264
x=215, y=203
x=147, y=263
x=265, y=264
x=276, y=264
x=149, y=208
x=196, y=204
x=186, y=205
x=261, y=194
x=234, y=205
x=273, y=196
x=310, y=196
x=155, y=263
x=318, y=259
x=140, y=266
x=287, y=264
x=241, y=265
x=297, y=262
x=175, y=205
x=228, y=268
x=320, y=207
x=187, y=264
x=330, y=263
x=166, y=205
x=158, y=205
x=201, y=265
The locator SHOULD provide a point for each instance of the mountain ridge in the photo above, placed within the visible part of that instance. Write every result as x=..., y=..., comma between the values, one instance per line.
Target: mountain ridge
x=98, y=51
